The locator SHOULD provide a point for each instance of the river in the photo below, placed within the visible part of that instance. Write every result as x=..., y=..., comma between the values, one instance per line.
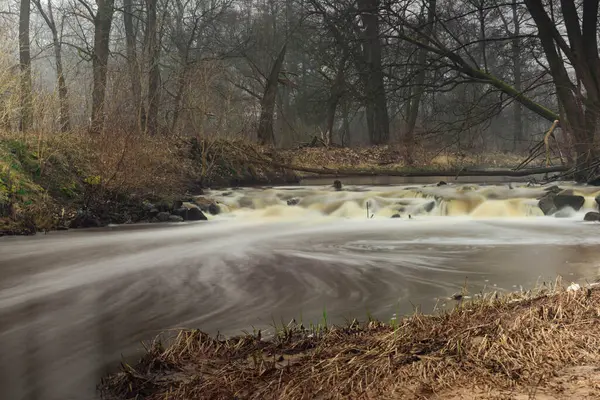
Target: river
x=72, y=304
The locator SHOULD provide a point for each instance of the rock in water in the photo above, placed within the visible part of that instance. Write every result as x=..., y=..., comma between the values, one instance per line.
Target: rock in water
x=214, y=209
x=175, y=218
x=177, y=204
x=163, y=216
x=598, y=201
x=180, y=212
x=546, y=204
x=337, y=185
x=592, y=216
x=396, y=216
x=441, y=183
x=205, y=204
x=429, y=206
x=85, y=219
x=565, y=200
x=193, y=213
x=292, y=202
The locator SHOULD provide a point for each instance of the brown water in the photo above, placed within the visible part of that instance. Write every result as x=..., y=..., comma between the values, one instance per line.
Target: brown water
x=72, y=303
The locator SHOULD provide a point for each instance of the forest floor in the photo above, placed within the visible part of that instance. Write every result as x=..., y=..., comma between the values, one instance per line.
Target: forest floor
x=543, y=344
x=48, y=180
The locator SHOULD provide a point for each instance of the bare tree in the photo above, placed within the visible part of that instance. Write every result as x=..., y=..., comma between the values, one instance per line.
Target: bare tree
x=102, y=19
x=375, y=99
x=516, y=62
x=267, y=105
x=580, y=99
x=133, y=64
x=63, y=96
x=153, y=68
x=26, y=120
x=414, y=102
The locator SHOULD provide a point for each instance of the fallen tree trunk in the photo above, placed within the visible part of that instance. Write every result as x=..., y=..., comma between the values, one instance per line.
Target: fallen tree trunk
x=414, y=173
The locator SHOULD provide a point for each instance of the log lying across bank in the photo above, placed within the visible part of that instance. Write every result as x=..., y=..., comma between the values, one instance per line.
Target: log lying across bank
x=420, y=173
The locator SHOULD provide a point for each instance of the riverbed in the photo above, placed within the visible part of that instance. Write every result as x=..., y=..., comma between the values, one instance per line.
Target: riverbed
x=72, y=304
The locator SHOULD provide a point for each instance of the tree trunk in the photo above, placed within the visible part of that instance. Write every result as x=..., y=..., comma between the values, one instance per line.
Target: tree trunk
x=63, y=96
x=133, y=64
x=375, y=101
x=414, y=102
x=153, y=69
x=482, y=36
x=267, y=106
x=337, y=91
x=581, y=107
x=516, y=59
x=345, y=136
x=102, y=26
x=26, y=120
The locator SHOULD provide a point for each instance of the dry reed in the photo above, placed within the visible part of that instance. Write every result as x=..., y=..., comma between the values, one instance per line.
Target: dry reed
x=493, y=347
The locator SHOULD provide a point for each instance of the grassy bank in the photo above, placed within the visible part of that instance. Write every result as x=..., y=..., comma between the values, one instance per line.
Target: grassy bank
x=542, y=344
x=54, y=181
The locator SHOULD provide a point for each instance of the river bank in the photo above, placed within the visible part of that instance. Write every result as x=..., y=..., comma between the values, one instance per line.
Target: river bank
x=73, y=180
x=540, y=344
x=62, y=181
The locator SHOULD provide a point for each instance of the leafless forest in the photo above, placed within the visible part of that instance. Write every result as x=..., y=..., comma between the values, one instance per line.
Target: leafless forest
x=474, y=75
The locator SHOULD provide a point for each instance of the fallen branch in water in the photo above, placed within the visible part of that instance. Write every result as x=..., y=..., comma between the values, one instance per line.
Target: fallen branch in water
x=415, y=173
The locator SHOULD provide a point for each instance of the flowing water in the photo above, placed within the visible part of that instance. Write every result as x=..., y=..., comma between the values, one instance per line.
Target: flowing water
x=72, y=304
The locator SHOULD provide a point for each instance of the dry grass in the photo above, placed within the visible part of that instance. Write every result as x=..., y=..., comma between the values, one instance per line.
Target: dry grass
x=507, y=347
x=46, y=178
x=134, y=163
x=391, y=156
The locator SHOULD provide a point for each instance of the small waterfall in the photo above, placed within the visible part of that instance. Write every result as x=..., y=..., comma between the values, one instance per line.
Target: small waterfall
x=387, y=201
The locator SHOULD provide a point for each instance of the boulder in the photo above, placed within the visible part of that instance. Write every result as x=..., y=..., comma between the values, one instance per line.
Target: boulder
x=177, y=204
x=293, y=202
x=546, y=204
x=598, y=201
x=180, y=212
x=204, y=203
x=337, y=185
x=396, y=216
x=193, y=212
x=147, y=206
x=429, y=206
x=85, y=219
x=592, y=216
x=163, y=207
x=565, y=200
x=163, y=216
x=441, y=183
x=153, y=212
x=175, y=218
x=214, y=209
